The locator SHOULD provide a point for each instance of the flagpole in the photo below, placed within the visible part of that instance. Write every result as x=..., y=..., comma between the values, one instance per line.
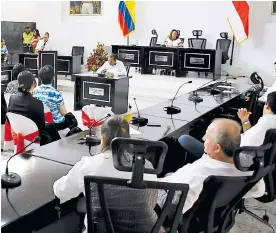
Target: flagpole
x=127, y=40
x=232, y=51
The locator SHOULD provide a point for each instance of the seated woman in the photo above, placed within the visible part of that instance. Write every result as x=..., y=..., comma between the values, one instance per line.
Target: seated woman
x=4, y=51
x=135, y=204
x=12, y=87
x=173, y=39
x=26, y=105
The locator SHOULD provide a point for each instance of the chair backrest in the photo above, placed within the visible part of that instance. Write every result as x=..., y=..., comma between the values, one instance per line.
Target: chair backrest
x=214, y=211
x=223, y=44
x=48, y=114
x=270, y=160
x=78, y=50
x=254, y=96
x=93, y=116
x=197, y=43
x=153, y=41
x=24, y=131
x=7, y=97
x=113, y=205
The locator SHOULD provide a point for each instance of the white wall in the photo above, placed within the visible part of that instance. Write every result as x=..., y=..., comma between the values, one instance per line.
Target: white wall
x=66, y=31
x=257, y=54
x=19, y=11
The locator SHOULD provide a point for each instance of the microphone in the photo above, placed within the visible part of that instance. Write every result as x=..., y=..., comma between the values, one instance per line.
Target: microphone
x=11, y=179
x=140, y=121
x=194, y=97
x=173, y=109
x=92, y=140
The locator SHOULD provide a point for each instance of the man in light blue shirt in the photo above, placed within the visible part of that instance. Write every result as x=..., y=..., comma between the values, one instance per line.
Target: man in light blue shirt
x=51, y=97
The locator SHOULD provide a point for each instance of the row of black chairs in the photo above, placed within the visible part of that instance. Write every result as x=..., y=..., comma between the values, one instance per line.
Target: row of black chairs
x=200, y=43
x=214, y=211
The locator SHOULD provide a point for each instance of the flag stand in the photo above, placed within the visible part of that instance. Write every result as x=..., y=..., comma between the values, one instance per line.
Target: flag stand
x=127, y=40
x=232, y=51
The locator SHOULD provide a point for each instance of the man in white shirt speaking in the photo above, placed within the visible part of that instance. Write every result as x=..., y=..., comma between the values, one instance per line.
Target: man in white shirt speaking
x=112, y=67
x=43, y=44
x=221, y=139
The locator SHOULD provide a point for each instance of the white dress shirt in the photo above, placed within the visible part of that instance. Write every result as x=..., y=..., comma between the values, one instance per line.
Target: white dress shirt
x=172, y=43
x=117, y=69
x=268, y=91
x=40, y=46
x=196, y=173
x=71, y=185
x=256, y=134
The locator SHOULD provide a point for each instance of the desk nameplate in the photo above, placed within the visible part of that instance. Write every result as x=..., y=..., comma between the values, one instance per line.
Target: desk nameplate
x=165, y=59
x=127, y=55
x=96, y=91
x=197, y=61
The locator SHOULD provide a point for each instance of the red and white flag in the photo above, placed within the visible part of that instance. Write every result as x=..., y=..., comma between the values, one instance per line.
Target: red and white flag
x=239, y=20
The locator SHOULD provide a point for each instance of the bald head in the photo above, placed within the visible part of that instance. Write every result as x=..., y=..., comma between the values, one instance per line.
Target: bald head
x=222, y=137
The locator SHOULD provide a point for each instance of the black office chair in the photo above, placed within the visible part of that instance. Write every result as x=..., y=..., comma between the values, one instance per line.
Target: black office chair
x=153, y=40
x=216, y=207
x=111, y=200
x=251, y=107
x=78, y=50
x=224, y=44
x=197, y=43
x=269, y=179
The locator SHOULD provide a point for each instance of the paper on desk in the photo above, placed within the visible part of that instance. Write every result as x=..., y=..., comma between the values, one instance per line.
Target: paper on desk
x=133, y=131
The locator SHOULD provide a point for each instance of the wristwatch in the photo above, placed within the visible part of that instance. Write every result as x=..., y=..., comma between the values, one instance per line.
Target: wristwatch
x=246, y=122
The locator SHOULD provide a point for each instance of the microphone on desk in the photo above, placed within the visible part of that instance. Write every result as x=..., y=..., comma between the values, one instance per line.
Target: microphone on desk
x=173, y=109
x=194, y=97
x=92, y=140
x=140, y=121
x=11, y=179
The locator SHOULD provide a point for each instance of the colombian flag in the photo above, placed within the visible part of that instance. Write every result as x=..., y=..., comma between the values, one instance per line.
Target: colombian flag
x=127, y=16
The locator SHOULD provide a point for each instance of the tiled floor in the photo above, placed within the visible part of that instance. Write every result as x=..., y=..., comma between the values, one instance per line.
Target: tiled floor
x=152, y=89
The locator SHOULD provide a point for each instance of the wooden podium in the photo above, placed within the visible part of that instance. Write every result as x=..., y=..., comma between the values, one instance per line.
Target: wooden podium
x=104, y=91
x=48, y=58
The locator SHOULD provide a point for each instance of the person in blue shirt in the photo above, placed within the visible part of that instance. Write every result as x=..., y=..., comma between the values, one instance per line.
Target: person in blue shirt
x=51, y=97
x=4, y=51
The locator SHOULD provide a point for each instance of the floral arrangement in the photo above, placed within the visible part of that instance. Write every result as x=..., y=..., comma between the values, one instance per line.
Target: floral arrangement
x=97, y=58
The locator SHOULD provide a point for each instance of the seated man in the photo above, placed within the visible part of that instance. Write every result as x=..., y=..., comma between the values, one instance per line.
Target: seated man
x=26, y=105
x=112, y=67
x=134, y=203
x=221, y=139
x=51, y=97
x=252, y=136
x=12, y=87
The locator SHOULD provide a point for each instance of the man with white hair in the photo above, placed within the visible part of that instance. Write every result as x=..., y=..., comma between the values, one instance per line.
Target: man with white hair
x=220, y=141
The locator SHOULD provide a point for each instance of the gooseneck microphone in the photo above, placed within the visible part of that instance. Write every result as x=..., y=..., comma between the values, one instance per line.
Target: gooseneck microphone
x=11, y=179
x=194, y=97
x=92, y=140
x=140, y=121
x=173, y=109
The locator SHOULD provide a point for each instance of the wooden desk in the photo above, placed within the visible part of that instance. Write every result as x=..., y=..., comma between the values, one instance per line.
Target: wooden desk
x=179, y=59
x=111, y=92
x=28, y=205
x=66, y=65
x=6, y=75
